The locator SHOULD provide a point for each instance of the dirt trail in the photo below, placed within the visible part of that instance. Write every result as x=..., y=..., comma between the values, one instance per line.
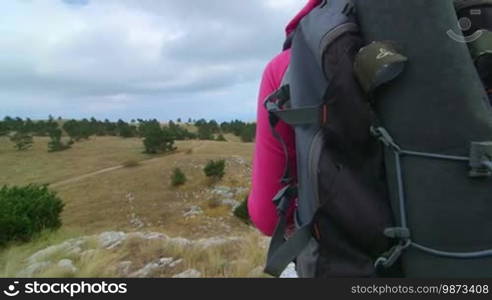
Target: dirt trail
x=111, y=169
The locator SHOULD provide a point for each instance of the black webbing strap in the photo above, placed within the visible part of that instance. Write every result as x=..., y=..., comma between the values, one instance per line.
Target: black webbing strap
x=287, y=176
x=281, y=251
x=278, y=104
x=288, y=41
x=277, y=99
x=302, y=116
x=402, y=232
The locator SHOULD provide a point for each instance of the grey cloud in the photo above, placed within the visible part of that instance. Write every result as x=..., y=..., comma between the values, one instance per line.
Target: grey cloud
x=149, y=50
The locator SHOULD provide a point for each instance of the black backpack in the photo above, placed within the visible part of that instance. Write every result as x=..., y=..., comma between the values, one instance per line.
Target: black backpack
x=394, y=142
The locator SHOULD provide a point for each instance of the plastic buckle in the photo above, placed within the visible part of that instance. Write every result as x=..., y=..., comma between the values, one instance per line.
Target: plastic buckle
x=283, y=198
x=397, y=233
x=271, y=106
x=394, y=255
x=384, y=136
x=283, y=94
x=480, y=159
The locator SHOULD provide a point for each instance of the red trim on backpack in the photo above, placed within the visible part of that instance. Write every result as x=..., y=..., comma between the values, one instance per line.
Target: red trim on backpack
x=317, y=233
x=324, y=117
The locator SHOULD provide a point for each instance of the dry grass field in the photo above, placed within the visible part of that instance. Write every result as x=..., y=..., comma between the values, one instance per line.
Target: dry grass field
x=38, y=166
x=109, y=185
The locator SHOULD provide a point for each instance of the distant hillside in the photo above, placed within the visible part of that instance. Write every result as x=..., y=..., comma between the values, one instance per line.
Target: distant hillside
x=105, y=199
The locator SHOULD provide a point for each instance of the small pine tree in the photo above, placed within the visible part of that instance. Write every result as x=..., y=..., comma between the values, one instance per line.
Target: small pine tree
x=178, y=177
x=248, y=133
x=157, y=140
x=56, y=144
x=221, y=138
x=205, y=133
x=215, y=169
x=3, y=128
x=241, y=211
x=22, y=140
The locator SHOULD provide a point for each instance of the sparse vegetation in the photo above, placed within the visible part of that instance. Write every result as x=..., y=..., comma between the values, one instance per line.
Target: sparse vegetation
x=178, y=177
x=79, y=130
x=215, y=169
x=158, y=140
x=27, y=211
x=3, y=129
x=56, y=144
x=142, y=194
x=242, y=258
x=22, y=140
x=205, y=133
x=241, y=211
x=221, y=138
x=248, y=133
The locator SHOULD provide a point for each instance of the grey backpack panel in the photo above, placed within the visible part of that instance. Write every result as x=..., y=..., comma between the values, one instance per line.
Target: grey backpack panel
x=427, y=203
x=438, y=106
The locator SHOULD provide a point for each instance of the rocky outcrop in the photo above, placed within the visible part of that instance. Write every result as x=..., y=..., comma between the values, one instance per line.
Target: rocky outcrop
x=152, y=268
x=83, y=249
x=191, y=273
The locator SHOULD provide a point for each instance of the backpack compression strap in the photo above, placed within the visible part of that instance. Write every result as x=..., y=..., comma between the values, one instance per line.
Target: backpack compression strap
x=278, y=104
x=282, y=252
x=480, y=163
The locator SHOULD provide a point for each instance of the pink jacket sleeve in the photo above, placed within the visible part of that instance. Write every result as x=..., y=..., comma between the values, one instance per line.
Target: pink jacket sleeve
x=269, y=158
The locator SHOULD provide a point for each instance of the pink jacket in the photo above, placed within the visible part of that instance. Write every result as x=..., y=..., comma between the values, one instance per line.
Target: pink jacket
x=269, y=159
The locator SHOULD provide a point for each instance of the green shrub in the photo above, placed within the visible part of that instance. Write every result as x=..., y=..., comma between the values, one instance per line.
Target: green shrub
x=26, y=211
x=221, y=138
x=56, y=144
x=178, y=177
x=157, y=140
x=215, y=169
x=241, y=211
x=205, y=133
x=4, y=129
x=22, y=140
x=248, y=133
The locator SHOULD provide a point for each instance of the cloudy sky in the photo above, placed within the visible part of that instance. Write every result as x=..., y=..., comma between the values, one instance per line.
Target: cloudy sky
x=137, y=58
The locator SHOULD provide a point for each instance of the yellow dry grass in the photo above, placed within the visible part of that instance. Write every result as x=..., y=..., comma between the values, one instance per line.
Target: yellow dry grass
x=136, y=199
x=103, y=202
x=12, y=259
x=235, y=259
x=38, y=166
